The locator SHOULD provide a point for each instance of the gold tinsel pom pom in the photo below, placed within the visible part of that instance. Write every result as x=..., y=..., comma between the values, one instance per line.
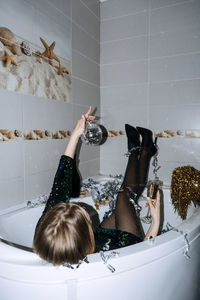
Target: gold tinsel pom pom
x=185, y=187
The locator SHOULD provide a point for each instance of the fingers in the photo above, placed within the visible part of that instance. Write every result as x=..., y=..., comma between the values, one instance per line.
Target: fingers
x=88, y=112
x=87, y=115
x=150, y=202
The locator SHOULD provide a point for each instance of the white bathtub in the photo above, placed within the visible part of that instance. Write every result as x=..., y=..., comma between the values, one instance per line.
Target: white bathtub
x=144, y=271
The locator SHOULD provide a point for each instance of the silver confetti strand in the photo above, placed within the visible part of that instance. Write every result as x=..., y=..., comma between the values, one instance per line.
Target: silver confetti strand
x=75, y=267
x=155, y=164
x=105, y=259
x=187, y=244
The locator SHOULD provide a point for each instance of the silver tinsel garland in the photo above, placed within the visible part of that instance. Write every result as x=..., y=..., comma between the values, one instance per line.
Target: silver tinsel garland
x=101, y=191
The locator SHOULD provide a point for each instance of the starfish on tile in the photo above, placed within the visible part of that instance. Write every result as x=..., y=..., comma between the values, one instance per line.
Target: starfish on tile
x=62, y=70
x=49, y=52
x=9, y=59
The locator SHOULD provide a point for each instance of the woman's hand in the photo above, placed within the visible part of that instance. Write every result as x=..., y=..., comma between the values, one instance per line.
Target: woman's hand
x=77, y=132
x=80, y=125
x=154, y=205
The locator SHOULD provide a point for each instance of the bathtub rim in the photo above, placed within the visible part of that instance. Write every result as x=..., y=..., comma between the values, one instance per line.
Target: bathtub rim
x=188, y=226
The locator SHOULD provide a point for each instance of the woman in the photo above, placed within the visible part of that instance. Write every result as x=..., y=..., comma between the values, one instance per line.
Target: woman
x=64, y=232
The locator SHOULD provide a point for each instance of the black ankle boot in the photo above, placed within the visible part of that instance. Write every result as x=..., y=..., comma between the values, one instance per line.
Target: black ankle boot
x=132, y=136
x=147, y=140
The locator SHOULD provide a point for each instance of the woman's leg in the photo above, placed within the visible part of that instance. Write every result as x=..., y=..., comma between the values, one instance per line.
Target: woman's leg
x=148, y=149
x=124, y=217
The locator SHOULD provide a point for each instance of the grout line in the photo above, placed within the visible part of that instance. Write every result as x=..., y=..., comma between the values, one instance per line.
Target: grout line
x=153, y=34
x=83, y=80
x=82, y=29
x=60, y=11
x=124, y=39
x=152, y=58
x=126, y=15
x=85, y=56
x=148, y=70
x=90, y=9
x=155, y=82
x=171, y=5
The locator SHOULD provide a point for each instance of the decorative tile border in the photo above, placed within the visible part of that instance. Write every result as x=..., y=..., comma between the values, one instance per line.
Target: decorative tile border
x=9, y=135
x=164, y=133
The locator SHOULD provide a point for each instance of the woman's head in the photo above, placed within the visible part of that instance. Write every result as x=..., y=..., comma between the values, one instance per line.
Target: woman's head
x=64, y=234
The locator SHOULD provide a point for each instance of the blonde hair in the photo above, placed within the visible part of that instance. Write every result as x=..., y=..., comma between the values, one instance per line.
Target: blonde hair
x=64, y=234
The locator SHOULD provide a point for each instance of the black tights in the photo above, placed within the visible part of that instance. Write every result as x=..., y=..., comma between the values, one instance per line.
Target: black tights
x=124, y=216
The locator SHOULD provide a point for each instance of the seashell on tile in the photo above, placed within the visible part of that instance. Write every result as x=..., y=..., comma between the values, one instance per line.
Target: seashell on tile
x=114, y=133
x=121, y=132
x=9, y=134
x=48, y=133
x=7, y=37
x=26, y=48
x=161, y=134
x=30, y=135
x=40, y=134
x=171, y=133
x=181, y=132
x=64, y=133
x=193, y=133
x=18, y=133
x=57, y=135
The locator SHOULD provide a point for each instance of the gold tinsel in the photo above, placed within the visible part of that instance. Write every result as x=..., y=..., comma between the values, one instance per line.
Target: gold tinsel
x=185, y=187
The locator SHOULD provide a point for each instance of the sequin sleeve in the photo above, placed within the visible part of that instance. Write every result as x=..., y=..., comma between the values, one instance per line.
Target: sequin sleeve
x=62, y=186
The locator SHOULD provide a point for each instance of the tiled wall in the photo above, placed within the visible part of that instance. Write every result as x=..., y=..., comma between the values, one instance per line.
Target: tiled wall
x=150, y=77
x=28, y=167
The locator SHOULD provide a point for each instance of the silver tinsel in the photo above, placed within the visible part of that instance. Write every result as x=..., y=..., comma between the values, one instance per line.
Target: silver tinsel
x=42, y=199
x=169, y=227
x=107, y=191
x=105, y=259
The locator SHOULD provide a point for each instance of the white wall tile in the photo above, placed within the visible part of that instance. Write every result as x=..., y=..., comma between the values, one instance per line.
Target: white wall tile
x=126, y=96
x=178, y=16
x=84, y=68
x=24, y=13
x=11, y=110
x=38, y=184
x=118, y=8
x=162, y=3
x=39, y=113
x=85, y=44
x=85, y=19
x=124, y=27
x=116, y=117
x=166, y=170
x=175, y=68
x=89, y=168
x=175, y=92
x=182, y=40
x=85, y=93
x=64, y=6
x=174, y=117
x=124, y=50
x=93, y=5
x=42, y=156
x=88, y=152
x=183, y=150
x=12, y=192
x=11, y=160
x=124, y=73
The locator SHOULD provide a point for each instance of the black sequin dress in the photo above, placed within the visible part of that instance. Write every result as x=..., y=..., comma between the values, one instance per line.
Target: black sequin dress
x=62, y=190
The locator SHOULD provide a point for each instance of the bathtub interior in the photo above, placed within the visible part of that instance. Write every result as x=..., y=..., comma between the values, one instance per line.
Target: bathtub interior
x=18, y=226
